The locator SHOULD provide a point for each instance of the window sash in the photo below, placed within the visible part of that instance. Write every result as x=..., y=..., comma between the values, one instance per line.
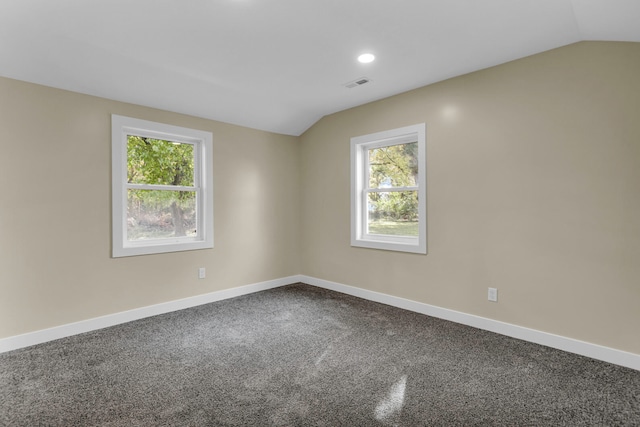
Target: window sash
x=175, y=140
x=367, y=189
x=161, y=240
x=364, y=221
x=197, y=176
x=122, y=127
x=361, y=189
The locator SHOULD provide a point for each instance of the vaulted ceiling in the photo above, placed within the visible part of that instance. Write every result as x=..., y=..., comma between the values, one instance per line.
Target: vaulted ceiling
x=280, y=65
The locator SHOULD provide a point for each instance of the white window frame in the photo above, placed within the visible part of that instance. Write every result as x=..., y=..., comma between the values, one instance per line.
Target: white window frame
x=360, y=190
x=202, y=141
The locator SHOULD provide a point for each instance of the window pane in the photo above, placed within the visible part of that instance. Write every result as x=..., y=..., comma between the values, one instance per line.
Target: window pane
x=156, y=214
x=155, y=161
x=393, y=166
x=393, y=213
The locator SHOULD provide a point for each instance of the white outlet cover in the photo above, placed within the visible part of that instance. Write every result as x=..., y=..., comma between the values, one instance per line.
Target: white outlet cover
x=493, y=294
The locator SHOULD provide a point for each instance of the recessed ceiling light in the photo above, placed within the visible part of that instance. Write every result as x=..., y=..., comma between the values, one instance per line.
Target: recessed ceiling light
x=365, y=58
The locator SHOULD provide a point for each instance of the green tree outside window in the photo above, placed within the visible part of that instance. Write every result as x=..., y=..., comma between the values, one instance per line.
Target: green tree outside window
x=165, y=206
x=393, y=172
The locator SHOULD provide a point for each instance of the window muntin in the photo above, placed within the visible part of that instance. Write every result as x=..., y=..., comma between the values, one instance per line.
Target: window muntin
x=162, y=188
x=389, y=190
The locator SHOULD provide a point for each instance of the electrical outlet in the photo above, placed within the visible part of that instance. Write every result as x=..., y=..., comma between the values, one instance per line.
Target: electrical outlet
x=201, y=273
x=493, y=294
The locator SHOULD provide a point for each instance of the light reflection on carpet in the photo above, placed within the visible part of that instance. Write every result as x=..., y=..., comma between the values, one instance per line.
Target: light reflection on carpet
x=390, y=407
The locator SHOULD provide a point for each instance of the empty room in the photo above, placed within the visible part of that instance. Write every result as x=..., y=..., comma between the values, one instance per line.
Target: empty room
x=320, y=213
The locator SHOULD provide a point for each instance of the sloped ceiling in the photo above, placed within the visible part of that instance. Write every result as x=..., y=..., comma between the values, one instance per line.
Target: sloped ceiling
x=280, y=65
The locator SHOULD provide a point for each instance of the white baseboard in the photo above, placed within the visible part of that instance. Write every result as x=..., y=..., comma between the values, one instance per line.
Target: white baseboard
x=606, y=354
x=50, y=334
x=594, y=351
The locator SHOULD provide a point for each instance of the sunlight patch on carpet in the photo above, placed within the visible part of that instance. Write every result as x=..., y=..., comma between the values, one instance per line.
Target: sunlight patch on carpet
x=392, y=404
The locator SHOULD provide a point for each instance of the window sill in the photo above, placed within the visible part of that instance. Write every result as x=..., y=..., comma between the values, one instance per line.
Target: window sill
x=406, y=244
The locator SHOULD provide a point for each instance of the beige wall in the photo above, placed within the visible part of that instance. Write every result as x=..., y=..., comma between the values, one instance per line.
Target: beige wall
x=55, y=212
x=533, y=188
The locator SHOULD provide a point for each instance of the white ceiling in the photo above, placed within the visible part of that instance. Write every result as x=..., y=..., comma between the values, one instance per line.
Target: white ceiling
x=280, y=65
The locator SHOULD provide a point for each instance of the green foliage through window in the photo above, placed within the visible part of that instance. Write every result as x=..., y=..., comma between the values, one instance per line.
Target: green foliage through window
x=393, y=166
x=393, y=172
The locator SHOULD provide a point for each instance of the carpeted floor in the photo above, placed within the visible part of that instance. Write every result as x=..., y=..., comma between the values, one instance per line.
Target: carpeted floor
x=303, y=356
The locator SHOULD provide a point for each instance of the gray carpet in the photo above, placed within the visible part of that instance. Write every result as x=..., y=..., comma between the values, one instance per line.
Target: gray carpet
x=303, y=356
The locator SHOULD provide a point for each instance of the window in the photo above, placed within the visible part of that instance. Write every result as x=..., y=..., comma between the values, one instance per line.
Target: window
x=162, y=187
x=388, y=190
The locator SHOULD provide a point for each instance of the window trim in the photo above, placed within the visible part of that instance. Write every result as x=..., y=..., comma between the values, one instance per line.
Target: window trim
x=359, y=190
x=202, y=141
